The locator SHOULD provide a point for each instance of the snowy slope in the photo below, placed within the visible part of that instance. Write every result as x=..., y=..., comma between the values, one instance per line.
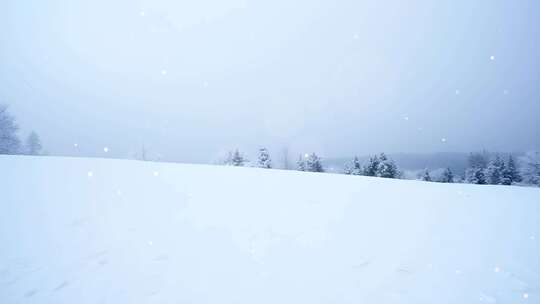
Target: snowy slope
x=115, y=231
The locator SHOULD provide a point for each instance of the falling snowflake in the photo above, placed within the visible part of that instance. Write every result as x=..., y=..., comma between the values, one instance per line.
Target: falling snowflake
x=492, y=58
x=76, y=145
x=406, y=118
x=458, y=272
x=532, y=237
x=356, y=36
x=150, y=243
x=90, y=174
x=142, y=14
x=156, y=173
x=306, y=155
x=443, y=140
x=525, y=295
x=163, y=72
x=457, y=92
x=105, y=149
x=497, y=269
x=505, y=92
x=205, y=84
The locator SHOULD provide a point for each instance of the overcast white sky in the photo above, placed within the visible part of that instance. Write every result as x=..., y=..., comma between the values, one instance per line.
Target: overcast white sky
x=192, y=78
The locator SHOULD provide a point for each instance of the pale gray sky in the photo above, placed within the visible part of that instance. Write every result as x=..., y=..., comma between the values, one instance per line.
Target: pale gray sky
x=193, y=78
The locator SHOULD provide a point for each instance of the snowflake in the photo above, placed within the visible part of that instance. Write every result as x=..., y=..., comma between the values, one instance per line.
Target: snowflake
x=505, y=92
x=156, y=173
x=457, y=92
x=105, y=149
x=443, y=140
x=90, y=174
x=406, y=118
x=525, y=295
x=492, y=58
x=356, y=36
x=306, y=155
x=497, y=269
x=163, y=72
x=142, y=14
x=76, y=145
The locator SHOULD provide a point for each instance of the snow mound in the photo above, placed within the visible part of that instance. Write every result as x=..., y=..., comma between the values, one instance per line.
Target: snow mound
x=116, y=231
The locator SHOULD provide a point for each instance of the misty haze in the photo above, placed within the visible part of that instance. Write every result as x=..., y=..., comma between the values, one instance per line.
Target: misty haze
x=245, y=151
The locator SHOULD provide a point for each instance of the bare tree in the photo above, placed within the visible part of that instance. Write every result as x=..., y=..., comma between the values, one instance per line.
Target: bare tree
x=9, y=141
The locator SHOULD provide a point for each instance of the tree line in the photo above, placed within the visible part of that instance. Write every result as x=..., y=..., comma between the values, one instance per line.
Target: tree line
x=10, y=143
x=482, y=168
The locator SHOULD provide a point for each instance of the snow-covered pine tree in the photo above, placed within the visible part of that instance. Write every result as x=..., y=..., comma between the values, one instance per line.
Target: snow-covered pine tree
x=426, y=176
x=447, y=176
x=264, y=160
x=33, y=144
x=347, y=168
x=237, y=159
x=531, y=168
x=356, y=167
x=301, y=163
x=386, y=168
x=476, y=174
x=313, y=163
x=9, y=141
x=510, y=172
x=494, y=171
x=370, y=169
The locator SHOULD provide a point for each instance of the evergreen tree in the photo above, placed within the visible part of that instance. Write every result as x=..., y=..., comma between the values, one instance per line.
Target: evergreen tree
x=386, y=168
x=300, y=163
x=510, y=172
x=264, y=159
x=313, y=163
x=33, y=144
x=347, y=169
x=356, y=166
x=447, y=176
x=494, y=171
x=9, y=141
x=476, y=174
x=426, y=176
x=531, y=168
x=372, y=166
x=237, y=159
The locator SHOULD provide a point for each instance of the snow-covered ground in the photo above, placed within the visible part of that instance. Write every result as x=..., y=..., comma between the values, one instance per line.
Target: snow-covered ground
x=115, y=231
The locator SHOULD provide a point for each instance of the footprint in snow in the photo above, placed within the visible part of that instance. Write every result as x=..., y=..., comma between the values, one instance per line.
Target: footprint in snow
x=61, y=286
x=404, y=270
x=30, y=293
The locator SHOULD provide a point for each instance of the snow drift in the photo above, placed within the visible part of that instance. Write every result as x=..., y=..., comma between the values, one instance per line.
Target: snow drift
x=115, y=231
